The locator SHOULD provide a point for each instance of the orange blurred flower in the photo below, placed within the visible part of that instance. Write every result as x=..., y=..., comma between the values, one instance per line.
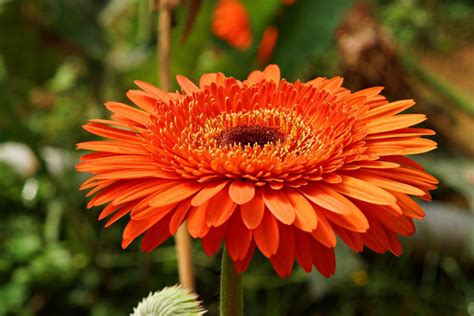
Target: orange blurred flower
x=261, y=164
x=231, y=23
x=269, y=39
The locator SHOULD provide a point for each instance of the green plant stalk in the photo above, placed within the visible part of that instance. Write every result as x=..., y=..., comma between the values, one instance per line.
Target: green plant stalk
x=232, y=294
x=443, y=88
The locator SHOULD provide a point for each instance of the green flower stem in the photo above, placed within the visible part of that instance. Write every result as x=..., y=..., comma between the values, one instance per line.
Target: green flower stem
x=232, y=294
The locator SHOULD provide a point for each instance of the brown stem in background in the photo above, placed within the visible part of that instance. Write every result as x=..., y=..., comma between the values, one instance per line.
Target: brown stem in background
x=182, y=238
x=164, y=43
x=184, y=254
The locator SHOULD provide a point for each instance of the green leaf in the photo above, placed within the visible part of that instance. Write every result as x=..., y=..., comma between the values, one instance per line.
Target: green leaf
x=306, y=30
x=261, y=14
x=186, y=57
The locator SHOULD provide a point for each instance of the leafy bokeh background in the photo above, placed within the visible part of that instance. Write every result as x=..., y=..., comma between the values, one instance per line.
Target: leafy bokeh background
x=60, y=60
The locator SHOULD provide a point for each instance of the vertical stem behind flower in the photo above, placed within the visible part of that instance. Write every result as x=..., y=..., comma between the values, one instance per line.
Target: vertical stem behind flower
x=164, y=44
x=232, y=295
x=184, y=255
x=182, y=238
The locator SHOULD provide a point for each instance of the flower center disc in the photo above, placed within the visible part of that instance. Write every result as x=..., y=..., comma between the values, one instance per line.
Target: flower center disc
x=249, y=135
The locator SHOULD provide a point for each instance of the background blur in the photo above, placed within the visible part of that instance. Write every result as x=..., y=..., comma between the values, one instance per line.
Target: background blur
x=60, y=60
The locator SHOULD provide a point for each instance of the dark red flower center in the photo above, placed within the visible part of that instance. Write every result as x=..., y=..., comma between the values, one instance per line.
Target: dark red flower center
x=249, y=135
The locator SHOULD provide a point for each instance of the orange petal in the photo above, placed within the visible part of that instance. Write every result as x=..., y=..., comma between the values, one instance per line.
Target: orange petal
x=388, y=184
x=152, y=212
x=154, y=91
x=414, y=146
x=117, y=160
x=363, y=191
x=416, y=178
x=395, y=245
x=252, y=212
x=351, y=239
x=332, y=178
x=389, y=109
x=207, y=79
x=394, y=122
x=207, y=192
x=197, y=221
x=116, y=123
x=375, y=238
x=399, y=224
x=404, y=132
x=279, y=205
x=393, y=210
x=110, y=132
x=405, y=162
x=327, y=198
x=306, y=218
x=220, y=209
x=369, y=92
x=118, y=215
x=241, y=192
x=135, y=229
x=266, y=235
x=144, y=189
x=241, y=265
x=237, y=238
x=267, y=44
x=333, y=84
x=211, y=243
x=316, y=82
x=108, y=194
x=323, y=259
x=377, y=164
x=115, y=147
x=144, y=203
x=324, y=232
x=150, y=172
x=272, y=73
x=108, y=210
x=187, y=85
x=156, y=235
x=176, y=193
x=355, y=221
x=178, y=216
x=129, y=112
x=411, y=145
x=303, y=250
x=142, y=100
x=284, y=258
x=255, y=77
x=409, y=207
x=384, y=150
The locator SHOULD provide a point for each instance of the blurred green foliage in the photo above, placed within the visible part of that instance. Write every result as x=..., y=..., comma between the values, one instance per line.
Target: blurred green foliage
x=441, y=25
x=60, y=60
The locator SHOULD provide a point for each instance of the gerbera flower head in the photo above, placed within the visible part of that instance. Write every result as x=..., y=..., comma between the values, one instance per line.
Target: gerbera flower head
x=231, y=23
x=261, y=164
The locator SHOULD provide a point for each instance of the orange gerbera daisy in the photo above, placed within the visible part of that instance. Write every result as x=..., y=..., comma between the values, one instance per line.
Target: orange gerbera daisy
x=231, y=23
x=261, y=164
